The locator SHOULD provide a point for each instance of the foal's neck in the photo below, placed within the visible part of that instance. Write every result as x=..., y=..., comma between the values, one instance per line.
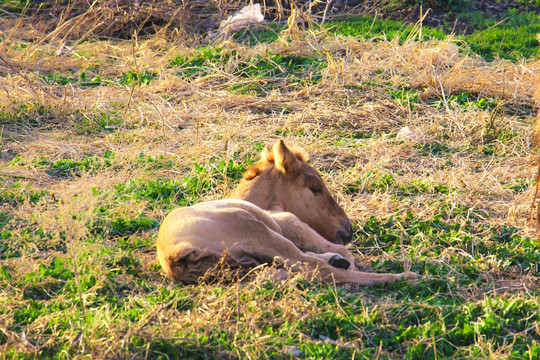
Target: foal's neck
x=261, y=192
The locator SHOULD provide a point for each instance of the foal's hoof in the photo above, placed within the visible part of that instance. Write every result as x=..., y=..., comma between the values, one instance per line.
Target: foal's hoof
x=409, y=275
x=339, y=262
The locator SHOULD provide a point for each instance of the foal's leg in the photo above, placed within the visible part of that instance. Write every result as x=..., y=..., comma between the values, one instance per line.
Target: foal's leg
x=308, y=239
x=261, y=241
x=334, y=259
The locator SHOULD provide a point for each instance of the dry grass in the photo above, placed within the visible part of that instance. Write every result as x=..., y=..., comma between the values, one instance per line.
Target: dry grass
x=483, y=154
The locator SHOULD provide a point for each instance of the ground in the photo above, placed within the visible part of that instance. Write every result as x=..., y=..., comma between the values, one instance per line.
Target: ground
x=427, y=145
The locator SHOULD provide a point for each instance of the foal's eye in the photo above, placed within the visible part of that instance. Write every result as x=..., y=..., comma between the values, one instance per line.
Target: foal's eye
x=315, y=189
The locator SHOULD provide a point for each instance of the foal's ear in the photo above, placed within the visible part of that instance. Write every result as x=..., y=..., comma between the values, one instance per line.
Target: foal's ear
x=267, y=154
x=285, y=160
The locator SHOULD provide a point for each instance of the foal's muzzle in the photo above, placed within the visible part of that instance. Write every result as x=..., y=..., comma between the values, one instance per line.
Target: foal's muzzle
x=345, y=235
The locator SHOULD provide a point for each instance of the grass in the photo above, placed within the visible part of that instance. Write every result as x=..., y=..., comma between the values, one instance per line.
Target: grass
x=425, y=145
x=511, y=37
x=259, y=74
x=128, y=78
x=369, y=27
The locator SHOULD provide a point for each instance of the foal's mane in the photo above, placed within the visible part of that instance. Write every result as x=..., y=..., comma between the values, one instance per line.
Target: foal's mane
x=267, y=161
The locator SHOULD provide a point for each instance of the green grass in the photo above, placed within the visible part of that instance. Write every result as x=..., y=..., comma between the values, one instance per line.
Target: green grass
x=28, y=114
x=15, y=193
x=158, y=194
x=422, y=320
x=34, y=115
x=513, y=38
x=67, y=167
x=471, y=243
x=14, y=6
x=369, y=27
x=466, y=100
x=372, y=182
x=409, y=98
x=453, y=5
x=259, y=34
x=128, y=78
x=273, y=68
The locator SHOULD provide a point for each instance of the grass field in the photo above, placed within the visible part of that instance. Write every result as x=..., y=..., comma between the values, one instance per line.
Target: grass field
x=428, y=147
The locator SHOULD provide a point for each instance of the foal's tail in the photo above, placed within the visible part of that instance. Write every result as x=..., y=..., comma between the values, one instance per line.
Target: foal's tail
x=188, y=265
x=192, y=265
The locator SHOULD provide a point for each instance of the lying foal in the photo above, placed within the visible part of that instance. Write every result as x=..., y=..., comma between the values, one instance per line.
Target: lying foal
x=281, y=209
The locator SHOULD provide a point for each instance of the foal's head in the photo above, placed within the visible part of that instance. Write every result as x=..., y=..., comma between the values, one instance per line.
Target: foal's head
x=283, y=181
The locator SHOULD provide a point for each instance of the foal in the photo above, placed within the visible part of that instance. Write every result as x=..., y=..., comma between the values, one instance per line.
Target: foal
x=281, y=209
